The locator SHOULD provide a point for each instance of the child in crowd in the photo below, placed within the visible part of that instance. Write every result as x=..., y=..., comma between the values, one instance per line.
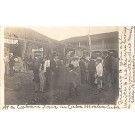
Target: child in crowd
x=99, y=73
x=72, y=80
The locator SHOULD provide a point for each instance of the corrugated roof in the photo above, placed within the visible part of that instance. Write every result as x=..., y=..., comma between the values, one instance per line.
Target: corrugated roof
x=110, y=35
x=26, y=33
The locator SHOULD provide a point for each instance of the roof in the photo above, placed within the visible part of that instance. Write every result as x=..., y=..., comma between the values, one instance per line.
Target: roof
x=26, y=33
x=110, y=35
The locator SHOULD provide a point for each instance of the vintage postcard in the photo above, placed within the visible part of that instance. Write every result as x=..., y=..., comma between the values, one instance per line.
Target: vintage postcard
x=71, y=67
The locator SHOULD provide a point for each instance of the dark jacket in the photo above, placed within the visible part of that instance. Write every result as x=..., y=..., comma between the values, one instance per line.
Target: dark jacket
x=82, y=66
x=12, y=61
x=108, y=63
x=52, y=65
x=91, y=66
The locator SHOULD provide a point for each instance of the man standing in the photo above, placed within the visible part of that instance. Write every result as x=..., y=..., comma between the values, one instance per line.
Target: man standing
x=47, y=72
x=82, y=70
x=92, y=70
x=108, y=69
x=53, y=73
x=36, y=66
x=11, y=64
x=6, y=61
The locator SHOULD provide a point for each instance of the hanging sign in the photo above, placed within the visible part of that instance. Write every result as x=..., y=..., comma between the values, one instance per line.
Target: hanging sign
x=39, y=49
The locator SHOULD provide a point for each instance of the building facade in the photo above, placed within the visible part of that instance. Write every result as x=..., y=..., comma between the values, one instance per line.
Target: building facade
x=85, y=45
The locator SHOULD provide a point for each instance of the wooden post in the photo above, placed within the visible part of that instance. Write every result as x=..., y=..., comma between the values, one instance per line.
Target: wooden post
x=89, y=39
x=103, y=44
x=24, y=49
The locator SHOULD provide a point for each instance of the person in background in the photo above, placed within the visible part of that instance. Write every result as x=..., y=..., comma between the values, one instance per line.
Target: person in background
x=53, y=73
x=73, y=62
x=92, y=70
x=25, y=63
x=87, y=72
x=17, y=65
x=6, y=62
x=108, y=69
x=82, y=70
x=47, y=72
x=11, y=64
x=36, y=65
x=20, y=64
x=99, y=73
x=42, y=77
x=72, y=85
x=57, y=72
x=77, y=69
x=76, y=62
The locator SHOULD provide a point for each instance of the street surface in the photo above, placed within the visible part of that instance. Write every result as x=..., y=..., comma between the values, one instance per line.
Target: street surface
x=20, y=91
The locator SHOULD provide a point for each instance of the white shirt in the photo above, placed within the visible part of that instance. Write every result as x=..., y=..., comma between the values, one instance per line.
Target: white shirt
x=99, y=69
x=46, y=64
x=75, y=63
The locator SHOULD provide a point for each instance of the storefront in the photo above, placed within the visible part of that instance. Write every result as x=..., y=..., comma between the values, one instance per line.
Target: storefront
x=22, y=42
x=12, y=46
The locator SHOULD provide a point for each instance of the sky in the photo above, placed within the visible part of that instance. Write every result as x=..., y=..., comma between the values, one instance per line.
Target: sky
x=64, y=32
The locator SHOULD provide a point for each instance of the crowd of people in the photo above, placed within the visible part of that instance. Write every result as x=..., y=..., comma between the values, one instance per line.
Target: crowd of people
x=14, y=63
x=99, y=72
x=46, y=72
x=102, y=71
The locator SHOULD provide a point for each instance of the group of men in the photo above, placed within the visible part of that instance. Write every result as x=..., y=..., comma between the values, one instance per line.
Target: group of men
x=100, y=71
x=88, y=69
x=46, y=72
x=13, y=64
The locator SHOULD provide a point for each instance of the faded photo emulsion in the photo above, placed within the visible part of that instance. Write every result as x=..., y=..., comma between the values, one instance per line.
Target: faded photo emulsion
x=61, y=65
x=67, y=67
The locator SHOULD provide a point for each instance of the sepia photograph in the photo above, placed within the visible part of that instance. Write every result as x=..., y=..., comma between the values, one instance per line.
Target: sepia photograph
x=67, y=65
x=61, y=65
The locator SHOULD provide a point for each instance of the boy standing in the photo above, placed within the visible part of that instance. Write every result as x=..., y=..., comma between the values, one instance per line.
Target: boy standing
x=72, y=80
x=99, y=73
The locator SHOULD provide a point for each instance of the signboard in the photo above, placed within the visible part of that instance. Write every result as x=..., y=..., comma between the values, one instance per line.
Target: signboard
x=10, y=41
x=39, y=49
x=38, y=52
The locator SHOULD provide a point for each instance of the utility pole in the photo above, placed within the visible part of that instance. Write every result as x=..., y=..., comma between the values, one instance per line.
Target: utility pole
x=89, y=39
